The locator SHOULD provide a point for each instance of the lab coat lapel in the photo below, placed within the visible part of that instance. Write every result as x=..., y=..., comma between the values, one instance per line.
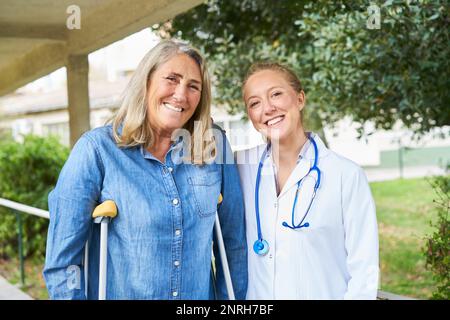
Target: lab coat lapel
x=267, y=186
x=267, y=178
x=299, y=172
x=267, y=196
x=304, y=165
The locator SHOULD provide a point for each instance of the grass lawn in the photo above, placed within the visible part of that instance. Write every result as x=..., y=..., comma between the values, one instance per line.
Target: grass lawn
x=404, y=209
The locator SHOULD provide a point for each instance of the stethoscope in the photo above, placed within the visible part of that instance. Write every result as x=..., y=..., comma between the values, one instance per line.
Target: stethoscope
x=261, y=246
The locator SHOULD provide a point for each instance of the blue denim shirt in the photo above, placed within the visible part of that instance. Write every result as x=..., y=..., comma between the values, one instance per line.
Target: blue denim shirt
x=160, y=243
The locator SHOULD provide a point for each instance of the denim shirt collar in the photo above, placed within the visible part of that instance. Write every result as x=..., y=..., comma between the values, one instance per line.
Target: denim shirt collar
x=147, y=154
x=174, y=145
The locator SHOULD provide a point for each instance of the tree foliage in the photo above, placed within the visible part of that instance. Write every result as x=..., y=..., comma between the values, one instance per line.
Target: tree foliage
x=398, y=72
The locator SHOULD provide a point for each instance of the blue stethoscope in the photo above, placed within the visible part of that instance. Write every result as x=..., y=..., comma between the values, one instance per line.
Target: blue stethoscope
x=261, y=246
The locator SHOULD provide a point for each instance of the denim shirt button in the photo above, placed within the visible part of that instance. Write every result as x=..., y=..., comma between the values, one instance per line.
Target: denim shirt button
x=170, y=169
x=175, y=293
x=177, y=232
x=176, y=263
x=175, y=201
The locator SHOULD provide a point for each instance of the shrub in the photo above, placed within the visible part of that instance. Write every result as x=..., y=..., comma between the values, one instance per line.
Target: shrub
x=28, y=172
x=437, y=250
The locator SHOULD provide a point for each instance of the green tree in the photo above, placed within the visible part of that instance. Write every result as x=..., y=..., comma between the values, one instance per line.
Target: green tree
x=398, y=72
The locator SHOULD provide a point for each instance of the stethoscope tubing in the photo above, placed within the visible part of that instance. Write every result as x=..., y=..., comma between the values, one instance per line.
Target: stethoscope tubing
x=261, y=247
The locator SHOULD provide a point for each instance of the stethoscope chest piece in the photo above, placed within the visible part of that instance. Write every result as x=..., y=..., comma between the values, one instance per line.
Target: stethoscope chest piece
x=261, y=247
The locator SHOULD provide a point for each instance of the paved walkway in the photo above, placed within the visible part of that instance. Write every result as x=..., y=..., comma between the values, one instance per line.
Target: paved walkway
x=10, y=292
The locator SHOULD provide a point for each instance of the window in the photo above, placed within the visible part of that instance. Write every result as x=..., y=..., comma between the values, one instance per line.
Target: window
x=60, y=130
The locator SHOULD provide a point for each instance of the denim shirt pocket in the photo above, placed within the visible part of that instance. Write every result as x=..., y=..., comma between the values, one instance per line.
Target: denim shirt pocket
x=206, y=190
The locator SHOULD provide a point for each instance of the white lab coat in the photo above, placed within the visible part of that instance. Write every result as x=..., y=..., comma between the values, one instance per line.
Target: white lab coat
x=336, y=257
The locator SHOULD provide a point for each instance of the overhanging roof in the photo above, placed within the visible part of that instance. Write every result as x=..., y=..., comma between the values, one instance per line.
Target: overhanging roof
x=34, y=38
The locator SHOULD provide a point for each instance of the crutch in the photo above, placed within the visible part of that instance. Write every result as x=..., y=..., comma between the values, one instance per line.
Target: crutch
x=102, y=214
x=223, y=255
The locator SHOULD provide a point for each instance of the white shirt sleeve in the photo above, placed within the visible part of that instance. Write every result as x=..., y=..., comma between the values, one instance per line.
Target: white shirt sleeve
x=361, y=236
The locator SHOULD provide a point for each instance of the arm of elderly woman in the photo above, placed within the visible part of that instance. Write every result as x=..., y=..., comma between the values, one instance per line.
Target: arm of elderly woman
x=231, y=216
x=70, y=205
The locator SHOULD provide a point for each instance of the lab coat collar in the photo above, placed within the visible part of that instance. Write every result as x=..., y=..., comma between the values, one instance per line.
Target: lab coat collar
x=323, y=150
x=307, y=151
x=304, y=165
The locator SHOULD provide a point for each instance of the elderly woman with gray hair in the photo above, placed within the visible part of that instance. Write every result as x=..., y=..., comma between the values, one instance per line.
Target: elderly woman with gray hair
x=159, y=245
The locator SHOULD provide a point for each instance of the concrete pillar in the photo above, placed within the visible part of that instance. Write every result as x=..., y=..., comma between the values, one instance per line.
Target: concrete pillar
x=78, y=95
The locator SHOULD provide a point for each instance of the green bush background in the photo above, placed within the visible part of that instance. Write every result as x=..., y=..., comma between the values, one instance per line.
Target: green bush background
x=437, y=249
x=28, y=172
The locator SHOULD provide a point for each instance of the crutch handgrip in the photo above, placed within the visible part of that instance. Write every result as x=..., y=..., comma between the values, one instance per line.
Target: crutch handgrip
x=103, y=214
x=105, y=209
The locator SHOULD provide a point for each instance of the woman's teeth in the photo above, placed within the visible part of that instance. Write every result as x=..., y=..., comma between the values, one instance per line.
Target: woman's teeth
x=173, y=108
x=275, y=121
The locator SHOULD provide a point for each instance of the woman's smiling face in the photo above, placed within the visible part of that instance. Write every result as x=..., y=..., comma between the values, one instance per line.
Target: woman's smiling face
x=174, y=93
x=272, y=104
